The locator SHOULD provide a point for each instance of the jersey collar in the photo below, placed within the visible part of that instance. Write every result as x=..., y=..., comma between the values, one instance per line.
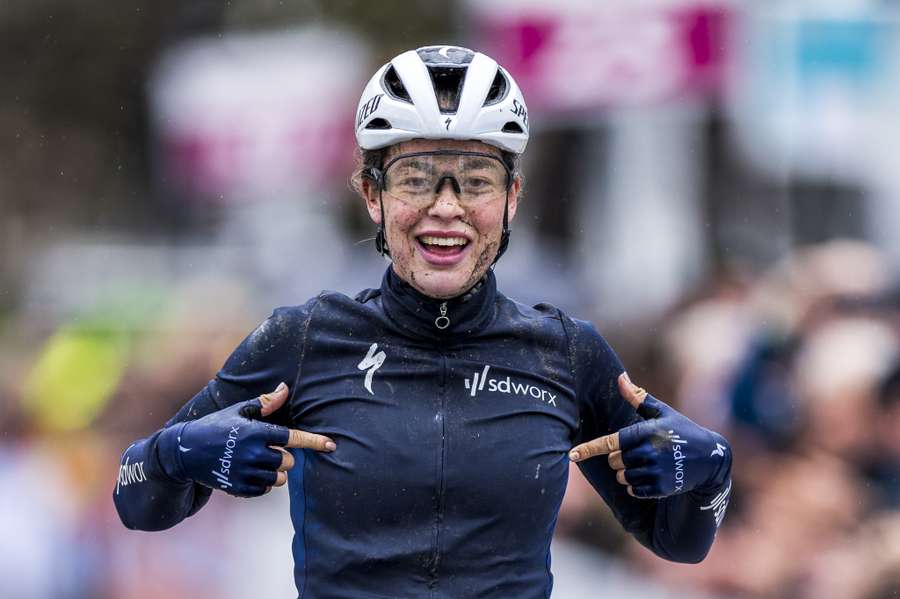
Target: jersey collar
x=416, y=313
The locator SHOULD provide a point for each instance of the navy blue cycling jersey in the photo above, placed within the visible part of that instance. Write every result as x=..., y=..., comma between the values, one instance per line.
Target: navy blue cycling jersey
x=452, y=443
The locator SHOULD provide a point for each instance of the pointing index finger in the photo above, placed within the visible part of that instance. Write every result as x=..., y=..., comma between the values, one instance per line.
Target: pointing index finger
x=600, y=446
x=303, y=439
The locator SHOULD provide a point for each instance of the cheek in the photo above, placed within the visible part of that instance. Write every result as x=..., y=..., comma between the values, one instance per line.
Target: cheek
x=401, y=219
x=488, y=221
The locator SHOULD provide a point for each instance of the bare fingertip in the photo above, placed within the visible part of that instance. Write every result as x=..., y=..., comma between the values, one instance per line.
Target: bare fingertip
x=330, y=446
x=574, y=456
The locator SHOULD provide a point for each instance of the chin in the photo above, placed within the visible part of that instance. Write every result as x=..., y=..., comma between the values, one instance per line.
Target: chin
x=442, y=284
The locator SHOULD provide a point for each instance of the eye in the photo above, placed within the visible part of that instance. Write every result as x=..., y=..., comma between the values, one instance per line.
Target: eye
x=479, y=185
x=414, y=183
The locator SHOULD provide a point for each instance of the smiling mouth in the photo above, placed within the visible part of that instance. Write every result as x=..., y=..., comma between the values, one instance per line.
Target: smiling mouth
x=443, y=246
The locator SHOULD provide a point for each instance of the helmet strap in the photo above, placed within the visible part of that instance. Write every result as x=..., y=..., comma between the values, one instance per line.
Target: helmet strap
x=381, y=245
x=504, y=235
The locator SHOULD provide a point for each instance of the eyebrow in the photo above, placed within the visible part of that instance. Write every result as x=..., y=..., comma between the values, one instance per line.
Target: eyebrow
x=476, y=162
x=413, y=163
x=468, y=162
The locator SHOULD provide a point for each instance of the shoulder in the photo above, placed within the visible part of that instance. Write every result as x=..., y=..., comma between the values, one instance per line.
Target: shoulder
x=536, y=314
x=584, y=341
x=281, y=328
x=330, y=299
x=542, y=323
x=590, y=346
x=325, y=300
x=546, y=314
x=329, y=311
x=289, y=321
x=285, y=318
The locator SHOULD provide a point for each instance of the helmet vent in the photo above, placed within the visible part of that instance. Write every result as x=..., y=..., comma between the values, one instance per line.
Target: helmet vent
x=512, y=127
x=445, y=56
x=498, y=89
x=448, y=84
x=394, y=86
x=378, y=123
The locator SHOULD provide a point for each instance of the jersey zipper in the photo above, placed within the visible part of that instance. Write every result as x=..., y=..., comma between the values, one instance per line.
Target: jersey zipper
x=439, y=503
x=442, y=321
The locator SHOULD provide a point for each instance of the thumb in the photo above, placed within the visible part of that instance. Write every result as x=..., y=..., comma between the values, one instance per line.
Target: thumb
x=638, y=398
x=271, y=402
x=266, y=404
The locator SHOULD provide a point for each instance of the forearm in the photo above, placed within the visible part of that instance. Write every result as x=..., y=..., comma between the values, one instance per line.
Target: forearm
x=153, y=491
x=678, y=528
x=146, y=496
x=685, y=525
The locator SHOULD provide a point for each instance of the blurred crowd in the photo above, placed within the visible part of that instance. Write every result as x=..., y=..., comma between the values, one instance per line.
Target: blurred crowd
x=719, y=197
x=799, y=367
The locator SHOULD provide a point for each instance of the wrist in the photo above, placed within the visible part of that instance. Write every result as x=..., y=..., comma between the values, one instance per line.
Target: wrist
x=721, y=474
x=167, y=461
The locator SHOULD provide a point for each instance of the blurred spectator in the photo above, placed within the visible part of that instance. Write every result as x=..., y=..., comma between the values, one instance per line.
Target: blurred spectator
x=883, y=467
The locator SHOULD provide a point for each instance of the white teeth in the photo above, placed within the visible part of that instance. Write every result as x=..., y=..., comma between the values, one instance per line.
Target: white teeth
x=448, y=241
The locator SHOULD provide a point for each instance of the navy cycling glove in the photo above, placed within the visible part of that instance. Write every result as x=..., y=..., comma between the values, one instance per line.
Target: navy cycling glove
x=665, y=454
x=227, y=450
x=668, y=453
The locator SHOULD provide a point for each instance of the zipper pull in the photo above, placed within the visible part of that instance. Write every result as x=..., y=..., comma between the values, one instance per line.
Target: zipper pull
x=442, y=322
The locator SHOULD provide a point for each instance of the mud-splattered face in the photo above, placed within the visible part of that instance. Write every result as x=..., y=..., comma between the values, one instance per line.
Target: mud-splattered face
x=444, y=247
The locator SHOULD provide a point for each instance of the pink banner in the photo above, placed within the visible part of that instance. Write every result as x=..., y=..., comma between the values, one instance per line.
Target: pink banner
x=584, y=57
x=257, y=115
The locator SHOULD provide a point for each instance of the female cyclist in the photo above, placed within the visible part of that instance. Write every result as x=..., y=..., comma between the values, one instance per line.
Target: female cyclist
x=425, y=427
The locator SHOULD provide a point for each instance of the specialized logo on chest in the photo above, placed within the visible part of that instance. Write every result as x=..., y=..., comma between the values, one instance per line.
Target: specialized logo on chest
x=370, y=364
x=481, y=381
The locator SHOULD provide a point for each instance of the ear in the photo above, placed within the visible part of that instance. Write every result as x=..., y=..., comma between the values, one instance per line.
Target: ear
x=370, y=195
x=514, y=190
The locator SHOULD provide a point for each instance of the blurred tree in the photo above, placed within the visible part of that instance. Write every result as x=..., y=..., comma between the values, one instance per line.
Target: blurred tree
x=392, y=26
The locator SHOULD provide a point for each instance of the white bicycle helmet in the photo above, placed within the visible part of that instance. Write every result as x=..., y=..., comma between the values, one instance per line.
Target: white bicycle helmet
x=442, y=92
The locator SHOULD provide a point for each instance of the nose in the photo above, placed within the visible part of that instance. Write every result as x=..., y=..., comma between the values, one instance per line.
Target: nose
x=446, y=204
x=453, y=183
